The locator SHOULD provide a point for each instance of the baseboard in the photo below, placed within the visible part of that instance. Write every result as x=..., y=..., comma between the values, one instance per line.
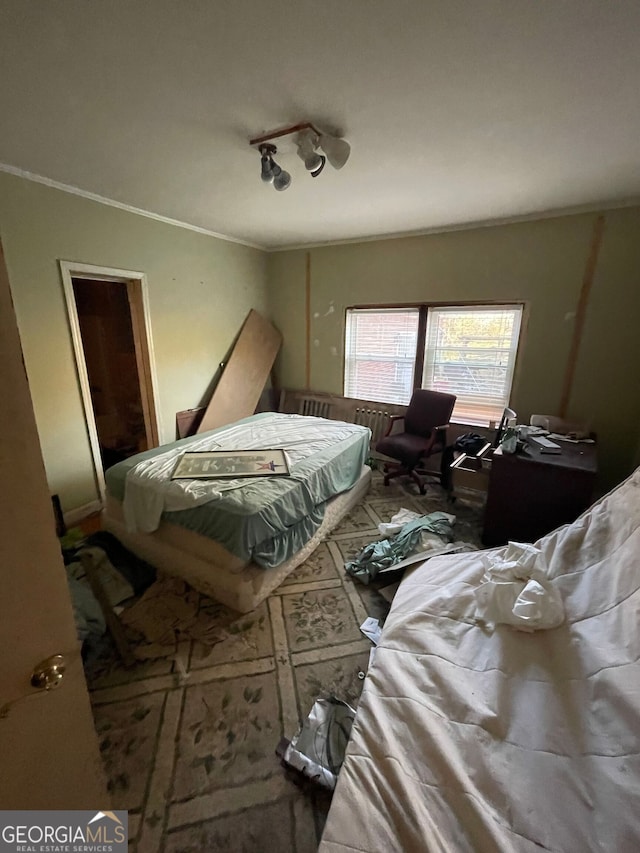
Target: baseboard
x=73, y=516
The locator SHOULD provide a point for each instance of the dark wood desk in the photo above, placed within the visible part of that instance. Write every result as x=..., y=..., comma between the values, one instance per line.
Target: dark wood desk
x=531, y=493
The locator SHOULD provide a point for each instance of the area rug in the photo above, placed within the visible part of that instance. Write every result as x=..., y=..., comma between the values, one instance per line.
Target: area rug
x=188, y=739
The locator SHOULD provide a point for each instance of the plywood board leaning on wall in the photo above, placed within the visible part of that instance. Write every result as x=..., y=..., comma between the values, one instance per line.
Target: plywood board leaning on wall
x=188, y=421
x=245, y=374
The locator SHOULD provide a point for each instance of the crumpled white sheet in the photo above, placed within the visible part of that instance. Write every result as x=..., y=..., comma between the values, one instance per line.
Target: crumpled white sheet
x=516, y=591
x=402, y=517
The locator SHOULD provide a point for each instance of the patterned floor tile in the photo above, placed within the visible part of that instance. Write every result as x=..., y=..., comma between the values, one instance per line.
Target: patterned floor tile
x=378, y=489
x=317, y=618
x=350, y=547
x=338, y=677
x=357, y=520
x=127, y=733
x=386, y=508
x=319, y=566
x=244, y=638
x=228, y=734
x=104, y=667
x=270, y=827
x=424, y=504
x=206, y=767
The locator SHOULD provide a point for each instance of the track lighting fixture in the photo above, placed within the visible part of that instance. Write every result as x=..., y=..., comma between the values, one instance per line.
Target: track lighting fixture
x=267, y=163
x=281, y=181
x=270, y=172
x=336, y=149
x=309, y=142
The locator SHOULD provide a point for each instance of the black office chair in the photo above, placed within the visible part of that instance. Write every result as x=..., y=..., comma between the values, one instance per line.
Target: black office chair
x=425, y=433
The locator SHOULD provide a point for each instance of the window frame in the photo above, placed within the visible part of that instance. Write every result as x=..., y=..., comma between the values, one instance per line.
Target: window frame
x=423, y=308
x=382, y=356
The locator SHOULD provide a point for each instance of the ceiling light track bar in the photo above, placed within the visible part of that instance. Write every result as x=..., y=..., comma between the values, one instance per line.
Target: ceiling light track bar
x=285, y=131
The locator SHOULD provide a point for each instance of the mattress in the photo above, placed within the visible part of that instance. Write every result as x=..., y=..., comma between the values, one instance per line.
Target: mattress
x=263, y=520
x=471, y=739
x=209, y=568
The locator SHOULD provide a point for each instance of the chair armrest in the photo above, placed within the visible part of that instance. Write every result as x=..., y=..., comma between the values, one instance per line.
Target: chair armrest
x=392, y=420
x=439, y=435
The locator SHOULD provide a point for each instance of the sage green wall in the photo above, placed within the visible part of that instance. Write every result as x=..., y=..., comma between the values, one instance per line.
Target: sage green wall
x=540, y=262
x=200, y=290
x=606, y=390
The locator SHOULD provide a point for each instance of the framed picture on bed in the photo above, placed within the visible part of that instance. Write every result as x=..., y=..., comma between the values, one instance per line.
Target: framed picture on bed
x=230, y=464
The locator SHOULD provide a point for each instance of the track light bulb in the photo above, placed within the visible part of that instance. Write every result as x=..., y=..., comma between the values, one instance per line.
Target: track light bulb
x=282, y=181
x=267, y=166
x=307, y=144
x=336, y=149
x=267, y=169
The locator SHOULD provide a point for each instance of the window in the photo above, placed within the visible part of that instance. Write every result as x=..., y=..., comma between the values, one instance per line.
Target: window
x=380, y=354
x=468, y=350
x=471, y=352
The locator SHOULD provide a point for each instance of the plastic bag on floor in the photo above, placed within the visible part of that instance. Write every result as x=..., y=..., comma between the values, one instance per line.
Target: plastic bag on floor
x=318, y=750
x=515, y=590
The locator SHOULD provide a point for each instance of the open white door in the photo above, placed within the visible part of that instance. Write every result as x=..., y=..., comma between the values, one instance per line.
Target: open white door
x=50, y=757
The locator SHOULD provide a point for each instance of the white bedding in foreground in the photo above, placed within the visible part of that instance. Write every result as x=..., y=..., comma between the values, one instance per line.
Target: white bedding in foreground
x=468, y=739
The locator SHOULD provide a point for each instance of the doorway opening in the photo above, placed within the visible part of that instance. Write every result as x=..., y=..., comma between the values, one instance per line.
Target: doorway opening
x=112, y=342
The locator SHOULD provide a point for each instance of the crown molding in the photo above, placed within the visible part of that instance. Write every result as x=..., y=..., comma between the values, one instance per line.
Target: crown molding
x=602, y=207
x=67, y=188
x=425, y=232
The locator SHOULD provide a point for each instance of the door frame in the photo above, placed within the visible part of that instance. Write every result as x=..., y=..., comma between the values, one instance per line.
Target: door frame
x=138, y=296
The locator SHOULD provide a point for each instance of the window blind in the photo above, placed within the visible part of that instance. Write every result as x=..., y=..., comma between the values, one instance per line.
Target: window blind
x=380, y=353
x=471, y=352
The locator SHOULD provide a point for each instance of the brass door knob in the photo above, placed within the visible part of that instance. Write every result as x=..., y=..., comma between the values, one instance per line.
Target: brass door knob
x=48, y=673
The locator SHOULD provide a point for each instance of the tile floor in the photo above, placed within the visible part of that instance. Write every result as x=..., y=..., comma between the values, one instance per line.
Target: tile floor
x=189, y=745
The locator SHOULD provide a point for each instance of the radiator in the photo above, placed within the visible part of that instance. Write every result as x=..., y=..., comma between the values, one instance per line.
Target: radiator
x=376, y=419
x=315, y=408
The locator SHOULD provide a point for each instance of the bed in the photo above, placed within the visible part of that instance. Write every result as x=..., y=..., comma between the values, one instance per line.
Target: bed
x=470, y=739
x=237, y=539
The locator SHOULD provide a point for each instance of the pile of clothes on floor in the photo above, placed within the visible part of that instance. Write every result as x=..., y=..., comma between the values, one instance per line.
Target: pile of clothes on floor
x=408, y=537
x=122, y=575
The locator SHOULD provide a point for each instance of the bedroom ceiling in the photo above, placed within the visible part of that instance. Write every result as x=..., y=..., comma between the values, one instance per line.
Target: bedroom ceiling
x=457, y=112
